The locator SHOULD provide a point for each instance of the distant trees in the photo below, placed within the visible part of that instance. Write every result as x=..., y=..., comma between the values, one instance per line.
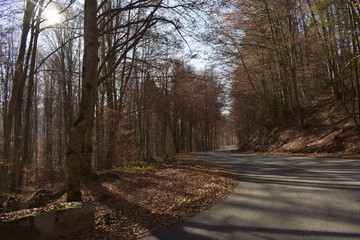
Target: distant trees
x=195, y=110
x=287, y=53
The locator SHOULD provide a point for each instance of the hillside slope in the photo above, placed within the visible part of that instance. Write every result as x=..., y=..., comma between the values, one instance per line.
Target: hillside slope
x=328, y=131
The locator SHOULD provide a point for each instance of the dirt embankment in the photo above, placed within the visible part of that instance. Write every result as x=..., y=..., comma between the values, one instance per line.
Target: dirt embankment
x=328, y=131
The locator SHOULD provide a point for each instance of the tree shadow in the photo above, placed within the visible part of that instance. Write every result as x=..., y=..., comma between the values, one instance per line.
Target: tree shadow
x=319, y=173
x=201, y=231
x=133, y=212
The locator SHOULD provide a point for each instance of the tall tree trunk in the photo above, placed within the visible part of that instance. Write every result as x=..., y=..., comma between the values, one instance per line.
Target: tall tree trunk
x=27, y=128
x=79, y=151
x=48, y=127
x=13, y=118
x=112, y=119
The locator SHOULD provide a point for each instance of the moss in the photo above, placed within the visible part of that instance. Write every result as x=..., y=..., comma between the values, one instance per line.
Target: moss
x=72, y=206
x=63, y=209
x=22, y=218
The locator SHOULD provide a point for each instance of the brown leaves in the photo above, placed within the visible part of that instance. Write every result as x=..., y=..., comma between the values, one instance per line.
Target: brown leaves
x=132, y=204
x=141, y=202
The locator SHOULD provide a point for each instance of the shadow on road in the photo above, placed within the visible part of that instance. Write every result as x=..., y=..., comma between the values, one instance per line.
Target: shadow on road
x=280, y=198
x=301, y=172
x=192, y=231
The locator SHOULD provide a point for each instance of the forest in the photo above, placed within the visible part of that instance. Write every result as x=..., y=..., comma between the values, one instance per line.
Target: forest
x=92, y=85
x=99, y=85
x=289, y=53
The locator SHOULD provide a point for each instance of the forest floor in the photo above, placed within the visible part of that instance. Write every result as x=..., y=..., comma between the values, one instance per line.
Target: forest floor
x=131, y=204
x=328, y=131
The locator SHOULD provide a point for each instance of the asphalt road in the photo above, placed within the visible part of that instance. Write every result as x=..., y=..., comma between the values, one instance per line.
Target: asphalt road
x=279, y=198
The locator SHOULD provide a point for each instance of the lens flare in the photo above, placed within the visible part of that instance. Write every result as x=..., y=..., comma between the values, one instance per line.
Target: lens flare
x=52, y=16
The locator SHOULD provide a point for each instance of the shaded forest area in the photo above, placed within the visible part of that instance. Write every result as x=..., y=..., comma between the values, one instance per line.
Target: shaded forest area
x=296, y=74
x=100, y=86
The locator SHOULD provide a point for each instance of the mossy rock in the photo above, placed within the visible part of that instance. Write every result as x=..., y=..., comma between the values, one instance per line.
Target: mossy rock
x=58, y=222
x=21, y=227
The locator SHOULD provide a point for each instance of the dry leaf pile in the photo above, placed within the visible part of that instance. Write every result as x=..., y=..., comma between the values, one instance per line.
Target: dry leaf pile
x=132, y=204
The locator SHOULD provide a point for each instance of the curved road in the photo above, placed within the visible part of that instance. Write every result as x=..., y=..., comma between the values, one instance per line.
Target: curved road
x=279, y=198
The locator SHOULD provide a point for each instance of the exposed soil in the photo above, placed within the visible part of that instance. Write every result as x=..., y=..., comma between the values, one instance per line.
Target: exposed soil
x=328, y=131
x=134, y=203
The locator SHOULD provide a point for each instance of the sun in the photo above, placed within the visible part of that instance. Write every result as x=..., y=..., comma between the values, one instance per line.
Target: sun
x=52, y=16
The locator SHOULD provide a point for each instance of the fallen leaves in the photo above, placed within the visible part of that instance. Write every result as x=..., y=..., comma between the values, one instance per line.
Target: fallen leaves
x=132, y=204
x=138, y=203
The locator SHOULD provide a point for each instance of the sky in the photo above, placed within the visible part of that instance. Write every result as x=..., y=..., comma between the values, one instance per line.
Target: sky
x=197, y=51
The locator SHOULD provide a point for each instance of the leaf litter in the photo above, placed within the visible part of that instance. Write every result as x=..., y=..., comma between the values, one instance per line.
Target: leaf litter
x=131, y=204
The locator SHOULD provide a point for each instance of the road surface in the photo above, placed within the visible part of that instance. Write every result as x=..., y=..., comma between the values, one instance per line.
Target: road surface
x=279, y=198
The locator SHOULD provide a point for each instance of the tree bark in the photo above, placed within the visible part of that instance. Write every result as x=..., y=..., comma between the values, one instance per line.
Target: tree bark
x=13, y=118
x=26, y=149
x=79, y=150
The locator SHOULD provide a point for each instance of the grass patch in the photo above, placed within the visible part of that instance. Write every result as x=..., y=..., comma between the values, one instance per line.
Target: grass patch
x=144, y=166
x=151, y=163
x=72, y=206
